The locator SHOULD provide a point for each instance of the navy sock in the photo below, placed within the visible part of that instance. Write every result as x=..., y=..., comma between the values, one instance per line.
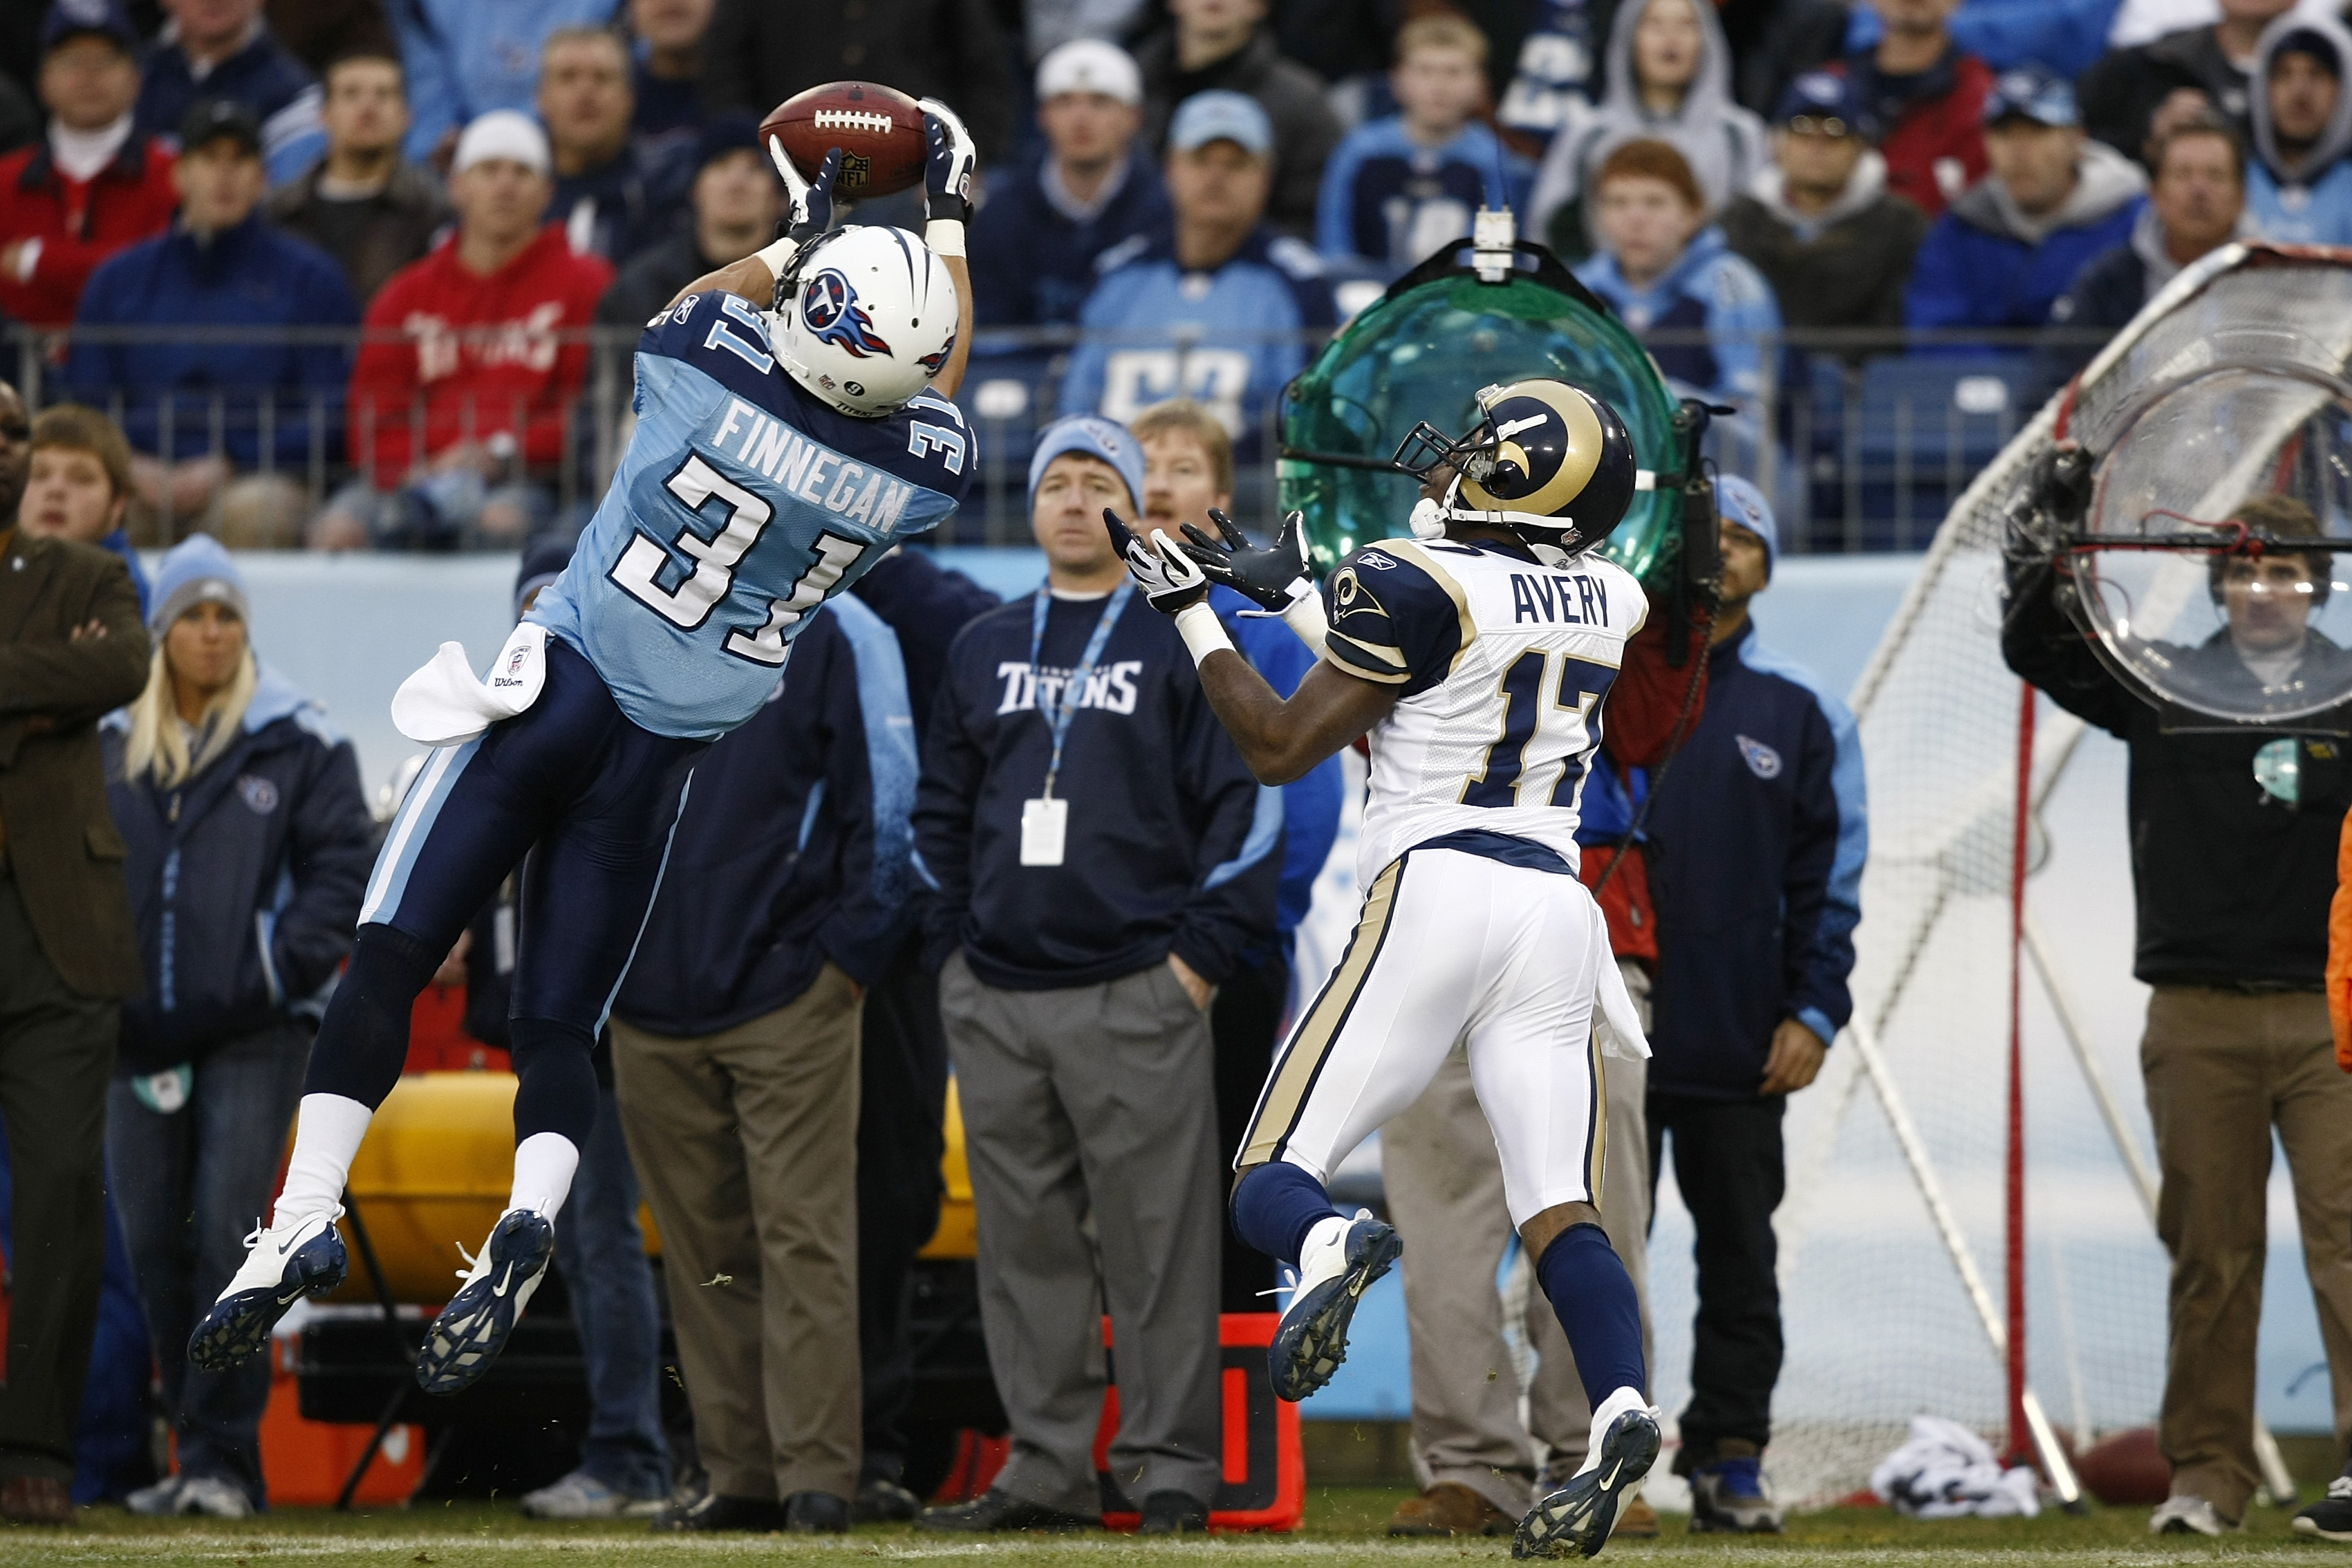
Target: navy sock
x=1593, y=1296
x=1275, y=1207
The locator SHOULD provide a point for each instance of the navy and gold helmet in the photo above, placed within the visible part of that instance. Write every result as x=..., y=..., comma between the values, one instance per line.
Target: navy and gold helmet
x=1548, y=461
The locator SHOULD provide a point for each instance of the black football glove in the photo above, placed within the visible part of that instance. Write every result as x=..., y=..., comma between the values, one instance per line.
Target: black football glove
x=948, y=170
x=1170, y=579
x=1270, y=577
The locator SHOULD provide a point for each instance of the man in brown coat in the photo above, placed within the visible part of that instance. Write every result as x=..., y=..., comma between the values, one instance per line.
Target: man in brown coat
x=72, y=649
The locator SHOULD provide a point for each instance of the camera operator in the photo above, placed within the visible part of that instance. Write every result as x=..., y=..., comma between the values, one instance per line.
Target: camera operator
x=2232, y=867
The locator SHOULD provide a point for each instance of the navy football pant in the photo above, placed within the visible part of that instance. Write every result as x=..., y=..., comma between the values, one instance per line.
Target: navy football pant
x=592, y=799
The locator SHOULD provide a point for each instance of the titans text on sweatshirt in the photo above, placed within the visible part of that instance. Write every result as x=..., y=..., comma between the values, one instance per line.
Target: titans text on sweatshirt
x=1172, y=845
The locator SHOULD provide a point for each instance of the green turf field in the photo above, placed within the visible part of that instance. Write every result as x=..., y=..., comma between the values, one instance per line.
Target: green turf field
x=1343, y=1525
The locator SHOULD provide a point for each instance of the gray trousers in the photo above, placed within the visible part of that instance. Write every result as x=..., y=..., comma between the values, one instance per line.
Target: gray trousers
x=1445, y=1195
x=1090, y=1123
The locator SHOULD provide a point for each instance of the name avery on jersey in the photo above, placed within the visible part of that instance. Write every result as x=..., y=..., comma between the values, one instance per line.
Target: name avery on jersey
x=1111, y=688
x=1532, y=599
x=814, y=473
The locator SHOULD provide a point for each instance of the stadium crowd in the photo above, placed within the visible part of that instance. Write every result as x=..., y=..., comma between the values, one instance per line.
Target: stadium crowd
x=399, y=224
x=416, y=372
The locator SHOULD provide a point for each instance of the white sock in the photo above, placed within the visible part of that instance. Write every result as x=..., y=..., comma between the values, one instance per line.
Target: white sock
x=544, y=1163
x=1324, y=1235
x=328, y=1131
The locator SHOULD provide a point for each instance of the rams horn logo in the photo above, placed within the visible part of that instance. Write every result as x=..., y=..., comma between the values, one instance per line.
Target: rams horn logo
x=829, y=305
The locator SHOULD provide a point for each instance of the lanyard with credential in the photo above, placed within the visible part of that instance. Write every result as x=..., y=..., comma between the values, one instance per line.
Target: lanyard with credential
x=1060, y=713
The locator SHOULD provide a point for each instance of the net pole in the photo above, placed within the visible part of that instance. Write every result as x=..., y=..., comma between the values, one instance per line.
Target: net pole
x=2021, y=1437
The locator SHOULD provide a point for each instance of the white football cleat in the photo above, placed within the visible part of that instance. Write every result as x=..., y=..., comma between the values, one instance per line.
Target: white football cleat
x=1341, y=1257
x=462, y=1342
x=283, y=1264
x=1577, y=1518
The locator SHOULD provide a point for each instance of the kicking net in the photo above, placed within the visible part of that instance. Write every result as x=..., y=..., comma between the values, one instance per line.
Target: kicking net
x=1895, y=1238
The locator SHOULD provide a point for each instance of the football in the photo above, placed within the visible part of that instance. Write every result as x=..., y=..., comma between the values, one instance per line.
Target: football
x=878, y=128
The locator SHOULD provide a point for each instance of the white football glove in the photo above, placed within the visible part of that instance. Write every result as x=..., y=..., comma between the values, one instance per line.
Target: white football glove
x=948, y=172
x=811, y=214
x=1170, y=579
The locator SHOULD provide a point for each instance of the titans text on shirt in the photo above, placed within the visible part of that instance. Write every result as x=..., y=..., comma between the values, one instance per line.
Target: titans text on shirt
x=741, y=504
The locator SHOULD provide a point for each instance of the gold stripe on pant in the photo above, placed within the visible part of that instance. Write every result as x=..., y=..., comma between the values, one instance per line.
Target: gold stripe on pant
x=746, y=1146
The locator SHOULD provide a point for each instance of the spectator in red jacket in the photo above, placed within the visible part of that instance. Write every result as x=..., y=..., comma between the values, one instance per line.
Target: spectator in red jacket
x=92, y=186
x=471, y=361
x=1929, y=97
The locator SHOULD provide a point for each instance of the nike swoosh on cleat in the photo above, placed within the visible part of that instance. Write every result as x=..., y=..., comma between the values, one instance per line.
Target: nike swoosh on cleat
x=500, y=1289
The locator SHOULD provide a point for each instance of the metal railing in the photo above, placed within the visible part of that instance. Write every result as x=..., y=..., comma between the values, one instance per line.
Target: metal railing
x=1862, y=439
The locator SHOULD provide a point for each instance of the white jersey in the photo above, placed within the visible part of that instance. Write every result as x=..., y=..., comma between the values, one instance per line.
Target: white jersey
x=1503, y=663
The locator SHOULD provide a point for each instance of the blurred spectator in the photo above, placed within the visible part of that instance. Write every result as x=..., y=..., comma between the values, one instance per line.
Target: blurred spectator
x=320, y=32
x=93, y=184
x=2299, y=187
x=1081, y=965
x=78, y=484
x=1047, y=24
x=2010, y=247
x=20, y=120
x=1188, y=467
x=223, y=49
x=1669, y=75
x=466, y=58
x=2065, y=36
x=1399, y=187
x=1774, y=42
x=251, y=842
x=363, y=204
x=736, y=200
x=1665, y=270
x=466, y=385
x=1928, y=96
x=201, y=412
x=757, y=54
x=609, y=203
x=2196, y=203
x=1222, y=45
x=2122, y=92
x=1820, y=223
x=1035, y=239
x=735, y=1047
x=1215, y=311
x=73, y=649
x=666, y=75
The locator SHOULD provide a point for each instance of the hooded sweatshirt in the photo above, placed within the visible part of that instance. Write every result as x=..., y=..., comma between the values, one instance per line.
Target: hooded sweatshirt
x=2307, y=199
x=1709, y=290
x=1842, y=267
x=1988, y=263
x=1724, y=143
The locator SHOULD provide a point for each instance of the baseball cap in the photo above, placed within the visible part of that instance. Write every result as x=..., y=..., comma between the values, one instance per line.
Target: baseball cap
x=1089, y=64
x=1827, y=96
x=1738, y=500
x=1096, y=437
x=502, y=134
x=1221, y=115
x=72, y=18
x=209, y=119
x=2033, y=91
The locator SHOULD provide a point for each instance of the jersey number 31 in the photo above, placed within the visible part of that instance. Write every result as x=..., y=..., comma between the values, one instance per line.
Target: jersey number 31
x=697, y=485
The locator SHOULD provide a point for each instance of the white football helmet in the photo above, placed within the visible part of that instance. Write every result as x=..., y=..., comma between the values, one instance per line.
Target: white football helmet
x=867, y=316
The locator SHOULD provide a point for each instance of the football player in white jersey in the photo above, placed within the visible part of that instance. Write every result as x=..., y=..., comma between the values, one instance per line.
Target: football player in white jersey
x=1476, y=656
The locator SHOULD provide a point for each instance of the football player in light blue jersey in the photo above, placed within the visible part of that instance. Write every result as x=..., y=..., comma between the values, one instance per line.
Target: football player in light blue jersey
x=793, y=426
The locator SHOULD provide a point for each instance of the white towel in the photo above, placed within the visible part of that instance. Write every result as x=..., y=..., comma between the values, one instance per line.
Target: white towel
x=444, y=705
x=1947, y=1472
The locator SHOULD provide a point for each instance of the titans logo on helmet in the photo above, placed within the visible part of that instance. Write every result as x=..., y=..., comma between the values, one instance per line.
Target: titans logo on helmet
x=829, y=305
x=933, y=362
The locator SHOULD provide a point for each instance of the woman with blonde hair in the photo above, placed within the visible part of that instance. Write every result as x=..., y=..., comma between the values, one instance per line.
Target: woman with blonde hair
x=249, y=845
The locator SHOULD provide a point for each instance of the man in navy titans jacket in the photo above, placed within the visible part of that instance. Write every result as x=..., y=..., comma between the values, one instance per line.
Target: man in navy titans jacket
x=1089, y=911
x=1756, y=843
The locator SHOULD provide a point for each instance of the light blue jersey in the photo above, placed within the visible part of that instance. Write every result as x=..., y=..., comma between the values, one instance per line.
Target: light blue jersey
x=741, y=504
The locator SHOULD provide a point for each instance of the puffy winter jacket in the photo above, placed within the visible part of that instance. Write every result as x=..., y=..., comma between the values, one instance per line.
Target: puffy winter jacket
x=1845, y=267
x=246, y=881
x=1033, y=260
x=1987, y=264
